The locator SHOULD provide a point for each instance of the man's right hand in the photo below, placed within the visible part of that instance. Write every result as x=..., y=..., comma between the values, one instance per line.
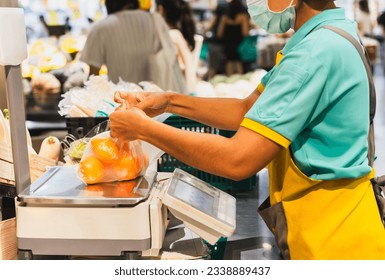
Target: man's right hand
x=152, y=103
x=127, y=99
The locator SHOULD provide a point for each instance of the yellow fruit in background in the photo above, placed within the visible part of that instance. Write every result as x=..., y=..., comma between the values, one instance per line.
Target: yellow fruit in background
x=69, y=45
x=91, y=170
x=145, y=5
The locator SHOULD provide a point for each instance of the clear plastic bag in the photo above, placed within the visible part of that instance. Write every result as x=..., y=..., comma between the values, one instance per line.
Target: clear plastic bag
x=74, y=148
x=106, y=160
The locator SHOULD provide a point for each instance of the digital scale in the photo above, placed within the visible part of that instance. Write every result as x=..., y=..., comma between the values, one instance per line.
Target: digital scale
x=59, y=214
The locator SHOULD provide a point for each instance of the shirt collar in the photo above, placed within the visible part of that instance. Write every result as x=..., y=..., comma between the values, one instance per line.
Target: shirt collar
x=313, y=23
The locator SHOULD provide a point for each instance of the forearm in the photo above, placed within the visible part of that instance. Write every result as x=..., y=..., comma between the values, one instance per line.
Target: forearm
x=214, y=112
x=236, y=158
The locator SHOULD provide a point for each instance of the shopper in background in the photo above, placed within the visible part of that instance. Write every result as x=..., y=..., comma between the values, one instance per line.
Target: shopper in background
x=216, y=56
x=233, y=28
x=364, y=21
x=178, y=16
x=322, y=201
x=381, y=21
x=124, y=42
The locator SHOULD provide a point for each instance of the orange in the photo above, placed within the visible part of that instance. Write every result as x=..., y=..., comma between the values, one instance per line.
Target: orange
x=105, y=149
x=125, y=188
x=125, y=168
x=139, y=164
x=91, y=170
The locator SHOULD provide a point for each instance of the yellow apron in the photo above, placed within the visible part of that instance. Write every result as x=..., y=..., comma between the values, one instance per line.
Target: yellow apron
x=322, y=219
x=315, y=219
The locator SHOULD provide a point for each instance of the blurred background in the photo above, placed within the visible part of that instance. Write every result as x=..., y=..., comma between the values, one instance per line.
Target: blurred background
x=227, y=58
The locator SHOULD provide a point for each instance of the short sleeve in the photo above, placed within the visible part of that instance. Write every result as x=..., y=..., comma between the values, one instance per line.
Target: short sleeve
x=289, y=99
x=93, y=52
x=265, y=78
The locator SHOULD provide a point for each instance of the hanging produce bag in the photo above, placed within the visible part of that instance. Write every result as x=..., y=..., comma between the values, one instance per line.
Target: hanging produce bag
x=107, y=160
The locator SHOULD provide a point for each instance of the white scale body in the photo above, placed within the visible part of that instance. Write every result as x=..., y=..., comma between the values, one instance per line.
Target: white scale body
x=57, y=216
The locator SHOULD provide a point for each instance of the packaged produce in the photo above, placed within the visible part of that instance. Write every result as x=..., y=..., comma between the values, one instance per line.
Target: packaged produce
x=5, y=132
x=107, y=160
x=96, y=98
x=77, y=149
x=50, y=148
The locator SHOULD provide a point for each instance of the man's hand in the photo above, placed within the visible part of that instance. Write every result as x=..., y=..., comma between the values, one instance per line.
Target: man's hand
x=152, y=103
x=126, y=125
x=128, y=99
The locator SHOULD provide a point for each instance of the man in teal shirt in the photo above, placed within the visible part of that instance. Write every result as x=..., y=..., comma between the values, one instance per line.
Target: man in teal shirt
x=311, y=92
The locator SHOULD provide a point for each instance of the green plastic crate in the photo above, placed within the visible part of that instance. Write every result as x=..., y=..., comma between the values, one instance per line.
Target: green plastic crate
x=168, y=163
x=80, y=126
x=217, y=251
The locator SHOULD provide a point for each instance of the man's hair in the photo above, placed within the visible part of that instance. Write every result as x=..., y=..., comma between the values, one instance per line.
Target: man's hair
x=114, y=6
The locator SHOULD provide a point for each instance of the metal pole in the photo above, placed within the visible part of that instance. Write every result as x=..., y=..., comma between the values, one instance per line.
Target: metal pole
x=15, y=98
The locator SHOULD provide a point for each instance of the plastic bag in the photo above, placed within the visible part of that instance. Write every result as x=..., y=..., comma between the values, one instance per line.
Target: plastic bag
x=96, y=98
x=106, y=160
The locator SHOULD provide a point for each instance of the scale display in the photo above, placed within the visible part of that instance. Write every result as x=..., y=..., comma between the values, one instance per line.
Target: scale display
x=195, y=198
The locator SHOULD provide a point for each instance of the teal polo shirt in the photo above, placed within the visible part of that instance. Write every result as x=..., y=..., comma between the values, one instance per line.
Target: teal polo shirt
x=316, y=101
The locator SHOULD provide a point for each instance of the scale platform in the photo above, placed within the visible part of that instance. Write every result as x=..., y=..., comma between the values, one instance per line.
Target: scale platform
x=62, y=186
x=60, y=215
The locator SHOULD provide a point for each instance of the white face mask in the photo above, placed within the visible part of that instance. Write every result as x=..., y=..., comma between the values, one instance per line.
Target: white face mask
x=272, y=22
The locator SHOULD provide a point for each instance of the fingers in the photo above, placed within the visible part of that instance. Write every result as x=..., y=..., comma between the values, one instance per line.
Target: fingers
x=125, y=124
x=119, y=97
x=123, y=106
x=143, y=104
x=129, y=99
x=139, y=97
x=113, y=132
x=115, y=126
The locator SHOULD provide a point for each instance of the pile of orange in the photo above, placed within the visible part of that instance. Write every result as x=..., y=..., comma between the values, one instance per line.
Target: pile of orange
x=91, y=169
x=109, y=162
x=104, y=149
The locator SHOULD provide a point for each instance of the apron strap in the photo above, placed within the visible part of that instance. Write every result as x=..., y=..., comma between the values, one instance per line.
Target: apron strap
x=364, y=56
